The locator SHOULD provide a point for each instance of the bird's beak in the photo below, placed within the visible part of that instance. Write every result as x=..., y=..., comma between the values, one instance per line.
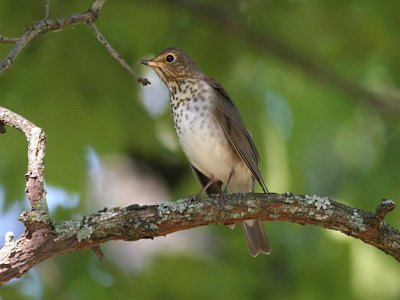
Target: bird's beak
x=149, y=63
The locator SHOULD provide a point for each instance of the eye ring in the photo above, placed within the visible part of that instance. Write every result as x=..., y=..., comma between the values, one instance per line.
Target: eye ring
x=169, y=58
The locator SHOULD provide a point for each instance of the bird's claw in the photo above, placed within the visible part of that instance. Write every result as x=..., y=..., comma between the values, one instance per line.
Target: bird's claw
x=196, y=197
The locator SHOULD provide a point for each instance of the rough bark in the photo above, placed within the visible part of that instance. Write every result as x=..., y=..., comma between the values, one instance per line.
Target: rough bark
x=147, y=222
x=44, y=239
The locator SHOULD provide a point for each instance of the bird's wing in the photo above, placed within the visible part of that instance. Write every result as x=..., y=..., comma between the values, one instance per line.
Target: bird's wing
x=213, y=189
x=240, y=138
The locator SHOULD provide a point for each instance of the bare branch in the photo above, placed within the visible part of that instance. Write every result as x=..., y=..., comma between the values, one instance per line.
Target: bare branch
x=147, y=222
x=383, y=209
x=10, y=40
x=97, y=5
x=116, y=55
x=34, y=177
x=2, y=127
x=47, y=9
x=41, y=27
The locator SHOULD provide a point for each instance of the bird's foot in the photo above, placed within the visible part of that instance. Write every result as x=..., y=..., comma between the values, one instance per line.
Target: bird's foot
x=221, y=204
x=195, y=197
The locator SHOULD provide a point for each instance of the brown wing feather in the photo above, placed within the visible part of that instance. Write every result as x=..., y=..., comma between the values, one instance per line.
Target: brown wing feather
x=229, y=118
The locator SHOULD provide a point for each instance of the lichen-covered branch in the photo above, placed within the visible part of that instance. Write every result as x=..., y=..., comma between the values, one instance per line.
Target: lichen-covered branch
x=44, y=239
x=52, y=25
x=147, y=222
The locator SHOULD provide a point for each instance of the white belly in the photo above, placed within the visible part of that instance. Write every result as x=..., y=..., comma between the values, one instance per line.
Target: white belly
x=206, y=146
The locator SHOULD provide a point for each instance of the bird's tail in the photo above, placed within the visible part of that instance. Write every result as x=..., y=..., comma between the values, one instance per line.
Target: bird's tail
x=255, y=237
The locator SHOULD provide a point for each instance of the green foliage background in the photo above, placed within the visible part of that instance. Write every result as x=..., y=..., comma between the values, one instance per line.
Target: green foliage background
x=313, y=138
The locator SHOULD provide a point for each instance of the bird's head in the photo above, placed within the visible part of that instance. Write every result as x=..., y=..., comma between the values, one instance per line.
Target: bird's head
x=173, y=65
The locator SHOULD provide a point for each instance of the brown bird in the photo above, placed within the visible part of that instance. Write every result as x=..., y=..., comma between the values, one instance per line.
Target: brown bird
x=218, y=146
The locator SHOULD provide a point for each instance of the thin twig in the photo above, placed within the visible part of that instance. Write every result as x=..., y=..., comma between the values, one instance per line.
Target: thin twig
x=384, y=208
x=115, y=54
x=10, y=40
x=2, y=127
x=97, y=5
x=98, y=252
x=46, y=25
x=40, y=27
x=47, y=9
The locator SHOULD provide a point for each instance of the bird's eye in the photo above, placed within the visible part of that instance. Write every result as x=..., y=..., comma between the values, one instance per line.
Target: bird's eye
x=170, y=58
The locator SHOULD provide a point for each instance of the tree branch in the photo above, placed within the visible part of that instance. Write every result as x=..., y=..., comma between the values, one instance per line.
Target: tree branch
x=46, y=9
x=10, y=40
x=43, y=239
x=51, y=25
x=147, y=222
x=35, y=190
x=115, y=54
x=40, y=27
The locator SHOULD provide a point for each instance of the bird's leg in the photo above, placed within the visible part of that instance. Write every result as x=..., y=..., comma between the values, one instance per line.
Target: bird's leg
x=229, y=180
x=222, y=198
x=204, y=189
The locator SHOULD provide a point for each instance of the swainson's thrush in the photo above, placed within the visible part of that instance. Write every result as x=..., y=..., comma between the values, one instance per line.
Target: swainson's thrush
x=218, y=146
